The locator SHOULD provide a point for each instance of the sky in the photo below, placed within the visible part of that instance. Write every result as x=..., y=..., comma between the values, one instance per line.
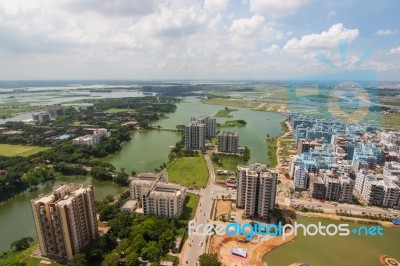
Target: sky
x=196, y=39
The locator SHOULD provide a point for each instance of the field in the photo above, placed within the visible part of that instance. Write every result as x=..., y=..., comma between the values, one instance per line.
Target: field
x=24, y=256
x=19, y=150
x=191, y=202
x=391, y=121
x=189, y=171
x=228, y=102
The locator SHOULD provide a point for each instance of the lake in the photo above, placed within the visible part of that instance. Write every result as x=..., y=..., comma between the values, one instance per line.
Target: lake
x=336, y=250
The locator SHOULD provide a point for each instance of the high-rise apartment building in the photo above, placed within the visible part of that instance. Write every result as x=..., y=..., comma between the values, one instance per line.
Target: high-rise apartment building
x=210, y=125
x=256, y=189
x=300, y=177
x=228, y=142
x=195, y=136
x=65, y=221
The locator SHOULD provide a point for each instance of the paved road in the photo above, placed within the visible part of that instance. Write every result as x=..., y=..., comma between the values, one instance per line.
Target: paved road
x=193, y=250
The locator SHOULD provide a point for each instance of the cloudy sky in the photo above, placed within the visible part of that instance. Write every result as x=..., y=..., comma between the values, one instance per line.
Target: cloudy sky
x=195, y=39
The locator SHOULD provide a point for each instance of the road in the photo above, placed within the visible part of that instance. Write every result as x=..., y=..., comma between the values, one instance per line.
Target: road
x=192, y=249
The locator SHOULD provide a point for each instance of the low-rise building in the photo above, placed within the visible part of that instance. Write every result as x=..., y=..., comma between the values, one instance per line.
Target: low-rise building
x=92, y=139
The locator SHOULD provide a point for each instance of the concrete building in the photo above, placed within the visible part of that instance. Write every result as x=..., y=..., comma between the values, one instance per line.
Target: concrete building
x=300, y=177
x=228, y=142
x=156, y=196
x=317, y=187
x=40, y=118
x=92, y=139
x=65, y=221
x=164, y=199
x=210, y=125
x=195, y=136
x=256, y=189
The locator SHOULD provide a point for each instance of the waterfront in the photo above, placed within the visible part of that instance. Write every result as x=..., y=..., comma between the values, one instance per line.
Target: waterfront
x=345, y=251
x=16, y=214
x=154, y=145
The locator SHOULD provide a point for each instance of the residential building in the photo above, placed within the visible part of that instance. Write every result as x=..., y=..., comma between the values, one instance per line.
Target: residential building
x=195, y=136
x=256, y=189
x=164, y=199
x=317, y=187
x=92, y=139
x=156, y=196
x=300, y=177
x=210, y=125
x=228, y=142
x=40, y=118
x=65, y=221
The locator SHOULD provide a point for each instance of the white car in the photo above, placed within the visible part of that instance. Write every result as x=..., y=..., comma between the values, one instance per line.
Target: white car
x=201, y=243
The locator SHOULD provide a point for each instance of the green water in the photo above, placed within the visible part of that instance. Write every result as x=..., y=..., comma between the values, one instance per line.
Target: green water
x=349, y=250
x=16, y=215
x=145, y=151
x=148, y=149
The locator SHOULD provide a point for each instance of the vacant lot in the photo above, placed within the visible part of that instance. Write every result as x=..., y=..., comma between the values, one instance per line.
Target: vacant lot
x=19, y=150
x=223, y=207
x=189, y=171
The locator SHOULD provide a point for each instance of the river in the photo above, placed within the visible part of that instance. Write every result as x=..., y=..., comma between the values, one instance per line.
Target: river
x=336, y=250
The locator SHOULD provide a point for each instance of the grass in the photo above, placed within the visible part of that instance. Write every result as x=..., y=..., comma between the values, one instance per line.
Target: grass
x=19, y=150
x=225, y=112
x=189, y=171
x=272, y=146
x=228, y=162
x=191, y=203
x=119, y=110
x=23, y=256
x=391, y=121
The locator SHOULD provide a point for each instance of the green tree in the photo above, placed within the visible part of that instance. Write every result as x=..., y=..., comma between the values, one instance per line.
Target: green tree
x=78, y=260
x=209, y=260
x=110, y=260
x=131, y=259
x=22, y=243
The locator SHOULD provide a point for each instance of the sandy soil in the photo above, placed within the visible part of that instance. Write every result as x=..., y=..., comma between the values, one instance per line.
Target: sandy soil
x=256, y=249
x=223, y=207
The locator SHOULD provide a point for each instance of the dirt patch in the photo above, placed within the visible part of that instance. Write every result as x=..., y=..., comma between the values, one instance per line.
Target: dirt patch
x=223, y=207
x=256, y=248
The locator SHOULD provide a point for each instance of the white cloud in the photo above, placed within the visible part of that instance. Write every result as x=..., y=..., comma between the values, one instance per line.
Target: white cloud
x=324, y=40
x=215, y=5
x=273, y=49
x=277, y=8
x=331, y=14
x=394, y=51
x=385, y=32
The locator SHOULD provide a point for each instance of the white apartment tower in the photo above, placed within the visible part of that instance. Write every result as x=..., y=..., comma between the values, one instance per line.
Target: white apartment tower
x=256, y=189
x=195, y=136
x=300, y=177
x=65, y=221
x=210, y=125
x=228, y=142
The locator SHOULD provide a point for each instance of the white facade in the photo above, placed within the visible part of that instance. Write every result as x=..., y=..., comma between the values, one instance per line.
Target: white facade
x=256, y=189
x=300, y=177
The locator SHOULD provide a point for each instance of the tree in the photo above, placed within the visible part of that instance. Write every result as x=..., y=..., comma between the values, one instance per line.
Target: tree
x=131, y=259
x=110, y=260
x=209, y=260
x=121, y=178
x=78, y=260
x=22, y=243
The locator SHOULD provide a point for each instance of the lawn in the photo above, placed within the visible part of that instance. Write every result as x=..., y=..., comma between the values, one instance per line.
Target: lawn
x=19, y=150
x=225, y=112
x=23, y=256
x=189, y=171
x=119, y=110
x=191, y=202
x=228, y=162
